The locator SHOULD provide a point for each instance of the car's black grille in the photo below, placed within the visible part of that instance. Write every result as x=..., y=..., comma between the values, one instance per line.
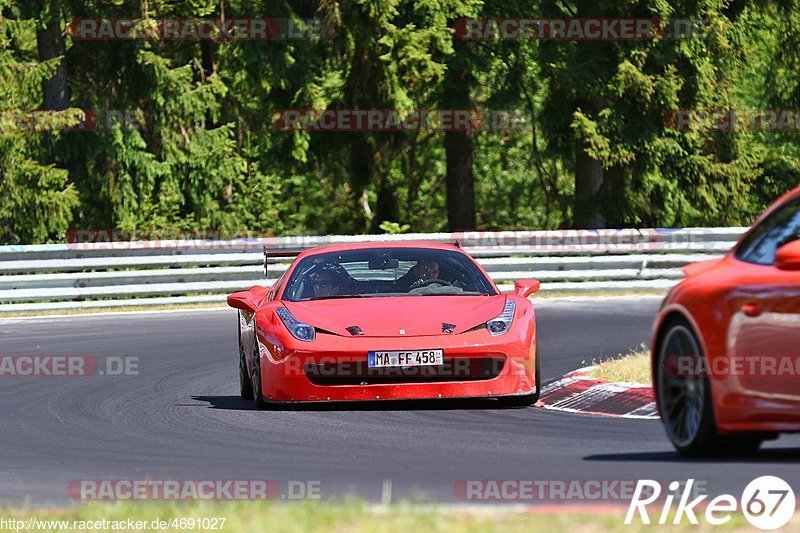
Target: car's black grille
x=358, y=373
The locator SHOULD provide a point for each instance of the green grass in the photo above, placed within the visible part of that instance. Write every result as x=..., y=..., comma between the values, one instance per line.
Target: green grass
x=633, y=367
x=356, y=516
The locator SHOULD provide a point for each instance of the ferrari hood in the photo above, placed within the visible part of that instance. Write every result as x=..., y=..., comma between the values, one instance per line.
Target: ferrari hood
x=392, y=317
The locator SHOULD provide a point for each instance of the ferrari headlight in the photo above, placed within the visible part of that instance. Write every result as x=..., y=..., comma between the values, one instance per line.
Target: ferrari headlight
x=299, y=331
x=501, y=324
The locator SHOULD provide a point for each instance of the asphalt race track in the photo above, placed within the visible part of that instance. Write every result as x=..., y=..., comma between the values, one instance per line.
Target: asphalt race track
x=181, y=417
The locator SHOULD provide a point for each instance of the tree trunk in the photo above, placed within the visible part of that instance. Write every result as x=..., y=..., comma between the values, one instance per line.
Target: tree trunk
x=361, y=171
x=50, y=42
x=207, y=59
x=589, y=173
x=460, y=180
x=588, y=180
x=615, y=199
x=386, y=207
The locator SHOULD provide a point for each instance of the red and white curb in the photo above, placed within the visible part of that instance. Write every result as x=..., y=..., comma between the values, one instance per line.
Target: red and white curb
x=577, y=392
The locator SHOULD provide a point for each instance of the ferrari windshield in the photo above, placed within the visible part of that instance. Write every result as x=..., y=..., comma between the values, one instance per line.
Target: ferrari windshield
x=386, y=272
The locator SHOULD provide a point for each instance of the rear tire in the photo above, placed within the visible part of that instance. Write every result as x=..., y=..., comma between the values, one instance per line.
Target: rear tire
x=527, y=399
x=686, y=404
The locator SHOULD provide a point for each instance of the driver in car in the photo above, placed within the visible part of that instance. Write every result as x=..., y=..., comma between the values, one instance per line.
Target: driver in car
x=423, y=271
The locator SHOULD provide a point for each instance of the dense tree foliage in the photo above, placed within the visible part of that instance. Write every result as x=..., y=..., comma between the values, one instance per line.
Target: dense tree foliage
x=162, y=134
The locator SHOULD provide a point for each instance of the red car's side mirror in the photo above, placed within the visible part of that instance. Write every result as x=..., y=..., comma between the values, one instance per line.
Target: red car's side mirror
x=241, y=300
x=526, y=287
x=249, y=300
x=788, y=256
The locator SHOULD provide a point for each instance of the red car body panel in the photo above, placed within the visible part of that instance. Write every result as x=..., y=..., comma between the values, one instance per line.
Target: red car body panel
x=740, y=310
x=389, y=323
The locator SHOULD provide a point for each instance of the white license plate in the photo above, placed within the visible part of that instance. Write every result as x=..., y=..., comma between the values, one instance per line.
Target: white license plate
x=405, y=358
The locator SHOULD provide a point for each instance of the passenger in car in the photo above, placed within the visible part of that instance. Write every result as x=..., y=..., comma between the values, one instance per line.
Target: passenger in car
x=329, y=281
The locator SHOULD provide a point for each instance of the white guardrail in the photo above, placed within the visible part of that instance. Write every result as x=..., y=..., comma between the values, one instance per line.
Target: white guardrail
x=122, y=273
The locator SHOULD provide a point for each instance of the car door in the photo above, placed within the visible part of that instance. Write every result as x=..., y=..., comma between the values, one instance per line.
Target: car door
x=764, y=332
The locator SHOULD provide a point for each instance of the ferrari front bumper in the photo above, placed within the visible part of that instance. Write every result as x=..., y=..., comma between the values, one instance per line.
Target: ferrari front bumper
x=470, y=370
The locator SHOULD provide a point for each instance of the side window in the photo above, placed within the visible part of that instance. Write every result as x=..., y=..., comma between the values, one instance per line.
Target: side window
x=779, y=228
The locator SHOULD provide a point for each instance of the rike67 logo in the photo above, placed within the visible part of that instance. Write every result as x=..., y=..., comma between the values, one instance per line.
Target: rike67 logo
x=768, y=503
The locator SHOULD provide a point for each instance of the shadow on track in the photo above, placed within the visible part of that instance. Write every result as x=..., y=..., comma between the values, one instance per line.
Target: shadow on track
x=237, y=404
x=770, y=455
x=233, y=403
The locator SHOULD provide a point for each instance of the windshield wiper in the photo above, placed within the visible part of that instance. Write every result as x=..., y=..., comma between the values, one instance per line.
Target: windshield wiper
x=336, y=296
x=447, y=294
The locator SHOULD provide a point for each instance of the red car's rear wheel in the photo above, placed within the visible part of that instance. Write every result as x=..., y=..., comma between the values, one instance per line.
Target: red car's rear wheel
x=685, y=401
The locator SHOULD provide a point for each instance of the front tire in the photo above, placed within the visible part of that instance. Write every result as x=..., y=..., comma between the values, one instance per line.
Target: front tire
x=257, y=395
x=245, y=385
x=527, y=399
x=685, y=402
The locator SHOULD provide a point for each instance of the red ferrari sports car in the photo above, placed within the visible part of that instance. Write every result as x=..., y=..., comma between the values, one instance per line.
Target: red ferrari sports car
x=379, y=321
x=726, y=344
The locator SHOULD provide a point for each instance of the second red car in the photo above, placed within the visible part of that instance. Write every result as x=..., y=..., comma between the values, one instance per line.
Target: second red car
x=726, y=344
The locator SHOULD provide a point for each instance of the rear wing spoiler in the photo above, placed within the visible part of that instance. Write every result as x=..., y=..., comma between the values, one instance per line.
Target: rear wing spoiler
x=279, y=253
